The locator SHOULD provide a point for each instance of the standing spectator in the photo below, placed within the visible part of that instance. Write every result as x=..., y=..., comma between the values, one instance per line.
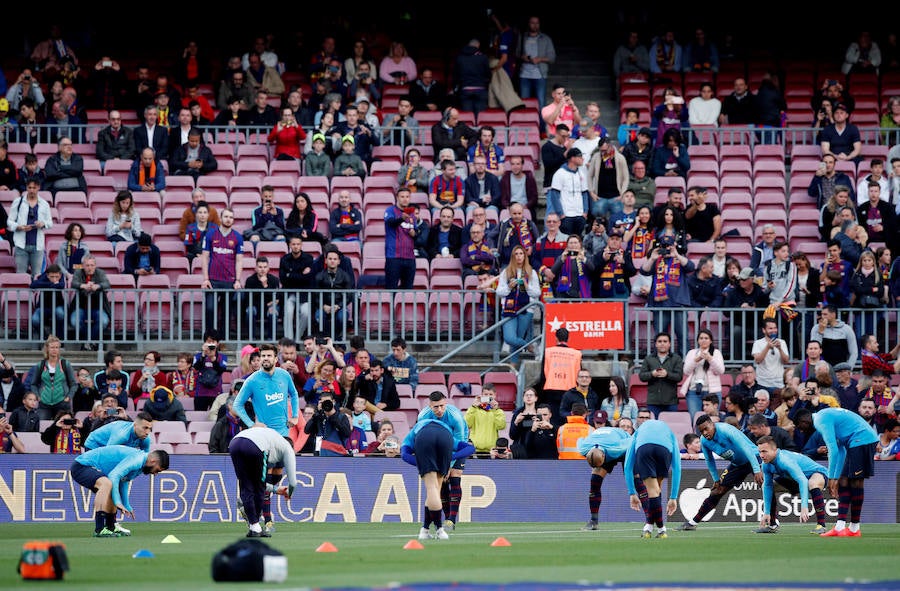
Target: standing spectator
x=65, y=169
x=568, y=194
x=517, y=287
x=91, y=308
x=28, y=221
x=401, y=364
x=115, y=142
x=195, y=233
x=842, y=138
x=210, y=364
x=221, y=264
x=662, y=371
x=535, y=53
x=295, y=275
x=561, y=110
x=839, y=343
x=739, y=107
x=672, y=113
x=400, y=230
x=330, y=309
x=607, y=178
x=669, y=289
x=26, y=418
x=472, y=74
x=183, y=380
x=485, y=420
x=827, y=179
x=703, y=368
x=560, y=370
x=52, y=379
x=770, y=354
x=287, y=137
x=24, y=87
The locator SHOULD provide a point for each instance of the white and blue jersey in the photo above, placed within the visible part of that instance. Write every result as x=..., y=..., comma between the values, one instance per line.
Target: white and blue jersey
x=730, y=444
x=613, y=441
x=121, y=464
x=793, y=465
x=841, y=429
x=658, y=433
x=116, y=433
x=269, y=394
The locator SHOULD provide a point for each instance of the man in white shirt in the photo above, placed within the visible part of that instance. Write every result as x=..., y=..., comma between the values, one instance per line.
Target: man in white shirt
x=770, y=354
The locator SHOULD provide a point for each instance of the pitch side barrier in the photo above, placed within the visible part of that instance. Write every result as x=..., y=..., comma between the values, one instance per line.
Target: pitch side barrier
x=37, y=488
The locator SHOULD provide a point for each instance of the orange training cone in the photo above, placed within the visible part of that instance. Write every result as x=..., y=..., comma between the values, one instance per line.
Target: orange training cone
x=413, y=545
x=501, y=541
x=327, y=547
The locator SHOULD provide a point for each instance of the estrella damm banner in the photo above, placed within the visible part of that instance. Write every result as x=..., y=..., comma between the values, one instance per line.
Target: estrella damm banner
x=591, y=325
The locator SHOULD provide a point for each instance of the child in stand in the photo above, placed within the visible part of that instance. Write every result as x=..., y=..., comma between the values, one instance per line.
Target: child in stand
x=358, y=415
x=318, y=162
x=31, y=170
x=348, y=162
x=628, y=130
x=831, y=290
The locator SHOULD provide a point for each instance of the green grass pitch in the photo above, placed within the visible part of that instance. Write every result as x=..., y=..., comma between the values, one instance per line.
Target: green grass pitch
x=372, y=555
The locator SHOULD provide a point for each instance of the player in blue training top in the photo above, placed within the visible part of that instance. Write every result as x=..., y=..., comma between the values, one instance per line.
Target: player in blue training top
x=603, y=449
x=269, y=389
x=653, y=452
x=851, y=459
x=799, y=474
x=730, y=444
x=108, y=471
x=132, y=434
x=451, y=488
x=431, y=445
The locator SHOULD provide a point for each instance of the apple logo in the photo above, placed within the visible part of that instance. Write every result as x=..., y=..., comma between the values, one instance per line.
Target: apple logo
x=690, y=499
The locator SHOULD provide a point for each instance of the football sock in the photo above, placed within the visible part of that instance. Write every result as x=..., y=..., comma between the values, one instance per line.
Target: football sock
x=844, y=497
x=655, y=512
x=428, y=518
x=111, y=521
x=99, y=521
x=445, y=498
x=272, y=479
x=642, y=494
x=596, y=495
x=840, y=524
x=709, y=503
x=256, y=527
x=854, y=527
x=648, y=527
x=455, y=496
x=437, y=518
x=819, y=505
x=857, y=495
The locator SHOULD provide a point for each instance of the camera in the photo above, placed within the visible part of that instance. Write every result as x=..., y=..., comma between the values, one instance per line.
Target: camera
x=26, y=77
x=321, y=341
x=111, y=412
x=2, y=415
x=664, y=250
x=328, y=405
x=106, y=63
x=209, y=347
x=69, y=421
x=485, y=399
x=572, y=253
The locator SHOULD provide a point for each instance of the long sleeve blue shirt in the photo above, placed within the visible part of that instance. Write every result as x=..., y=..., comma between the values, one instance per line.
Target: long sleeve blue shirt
x=841, y=429
x=121, y=464
x=789, y=464
x=659, y=433
x=730, y=444
x=116, y=433
x=269, y=394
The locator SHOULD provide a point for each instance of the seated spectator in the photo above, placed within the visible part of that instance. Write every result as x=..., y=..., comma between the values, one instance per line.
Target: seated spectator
x=124, y=222
x=261, y=301
x=193, y=158
x=346, y=220
x=226, y=427
x=267, y=220
x=26, y=418
x=235, y=114
x=142, y=257
x=148, y=377
x=49, y=315
x=479, y=217
x=164, y=406
x=692, y=449
x=147, y=174
x=115, y=141
x=444, y=237
x=826, y=180
x=64, y=169
x=670, y=157
x=317, y=161
x=412, y=174
x=446, y=188
x=348, y=162
x=184, y=379
x=303, y=221
x=476, y=255
x=481, y=188
x=31, y=169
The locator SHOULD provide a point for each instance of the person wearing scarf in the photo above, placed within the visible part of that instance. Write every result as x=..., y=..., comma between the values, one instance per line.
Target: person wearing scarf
x=476, y=255
x=183, y=380
x=62, y=437
x=516, y=231
x=668, y=270
x=572, y=271
x=493, y=153
x=615, y=268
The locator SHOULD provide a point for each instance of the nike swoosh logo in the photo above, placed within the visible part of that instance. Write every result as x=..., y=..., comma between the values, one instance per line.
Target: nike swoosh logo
x=857, y=473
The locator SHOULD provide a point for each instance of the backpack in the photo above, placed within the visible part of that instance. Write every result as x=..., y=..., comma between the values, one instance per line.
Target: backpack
x=43, y=560
x=249, y=560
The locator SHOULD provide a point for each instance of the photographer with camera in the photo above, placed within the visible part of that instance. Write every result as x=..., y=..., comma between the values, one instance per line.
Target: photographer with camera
x=25, y=87
x=210, y=363
x=330, y=427
x=668, y=269
x=523, y=419
x=485, y=420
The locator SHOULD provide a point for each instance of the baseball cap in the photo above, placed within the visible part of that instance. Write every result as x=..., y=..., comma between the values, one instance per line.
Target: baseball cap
x=842, y=107
x=248, y=349
x=348, y=138
x=600, y=416
x=4, y=104
x=319, y=136
x=746, y=273
x=573, y=152
x=842, y=366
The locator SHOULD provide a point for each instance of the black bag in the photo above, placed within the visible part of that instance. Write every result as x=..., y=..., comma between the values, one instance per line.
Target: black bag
x=869, y=301
x=249, y=560
x=209, y=377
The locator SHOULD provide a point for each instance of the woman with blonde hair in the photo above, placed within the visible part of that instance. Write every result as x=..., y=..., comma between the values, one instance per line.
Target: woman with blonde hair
x=868, y=291
x=517, y=286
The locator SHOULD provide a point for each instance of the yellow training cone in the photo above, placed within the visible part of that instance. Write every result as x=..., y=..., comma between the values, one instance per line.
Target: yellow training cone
x=170, y=539
x=327, y=547
x=413, y=545
x=501, y=541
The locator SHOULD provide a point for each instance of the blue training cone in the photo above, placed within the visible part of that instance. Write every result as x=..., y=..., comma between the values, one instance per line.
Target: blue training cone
x=142, y=554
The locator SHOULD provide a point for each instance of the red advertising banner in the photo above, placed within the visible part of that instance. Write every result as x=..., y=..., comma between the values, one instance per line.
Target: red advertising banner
x=591, y=325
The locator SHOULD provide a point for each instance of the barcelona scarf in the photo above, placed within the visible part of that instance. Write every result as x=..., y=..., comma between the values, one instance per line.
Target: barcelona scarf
x=573, y=276
x=68, y=441
x=786, y=309
x=640, y=243
x=490, y=155
x=668, y=272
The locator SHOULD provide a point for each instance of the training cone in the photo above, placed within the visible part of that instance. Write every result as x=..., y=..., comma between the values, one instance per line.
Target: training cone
x=142, y=554
x=327, y=547
x=170, y=539
x=413, y=545
x=501, y=541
